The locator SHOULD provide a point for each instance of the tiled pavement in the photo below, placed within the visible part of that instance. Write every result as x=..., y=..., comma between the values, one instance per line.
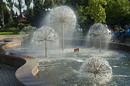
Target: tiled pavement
x=7, y=75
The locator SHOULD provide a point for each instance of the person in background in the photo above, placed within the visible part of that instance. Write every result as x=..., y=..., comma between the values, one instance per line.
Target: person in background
x=125, y=34
x=115, y=34
x=121, y=30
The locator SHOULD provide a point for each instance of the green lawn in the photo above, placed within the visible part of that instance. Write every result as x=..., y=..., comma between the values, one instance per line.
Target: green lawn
x=6, y=33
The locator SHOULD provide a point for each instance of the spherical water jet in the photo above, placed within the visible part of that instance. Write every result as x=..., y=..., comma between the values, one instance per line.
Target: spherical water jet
x=77, y=36
x=45, y=35
x=63, y=20
x=97, y=70
x=28, y=30
x=98, y=35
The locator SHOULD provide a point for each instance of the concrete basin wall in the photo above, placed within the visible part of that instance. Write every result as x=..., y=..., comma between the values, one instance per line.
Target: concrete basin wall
x=26, y=73
x=120, y=46
x=27, y=69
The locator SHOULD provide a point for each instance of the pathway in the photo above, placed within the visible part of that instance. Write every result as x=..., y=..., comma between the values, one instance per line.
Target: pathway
x=7, y=75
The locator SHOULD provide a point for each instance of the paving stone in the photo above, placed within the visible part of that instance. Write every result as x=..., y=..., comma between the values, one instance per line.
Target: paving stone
x=7, y=76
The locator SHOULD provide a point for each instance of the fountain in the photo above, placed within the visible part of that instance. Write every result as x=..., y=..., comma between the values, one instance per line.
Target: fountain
x=28, y=30
x=98, y=36
x=47, y=35
x=88, y=67
x=97, y=70
x=63, y=20
x=38, y=43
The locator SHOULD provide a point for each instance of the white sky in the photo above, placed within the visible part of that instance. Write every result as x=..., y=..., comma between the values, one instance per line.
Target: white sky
x=16, y=9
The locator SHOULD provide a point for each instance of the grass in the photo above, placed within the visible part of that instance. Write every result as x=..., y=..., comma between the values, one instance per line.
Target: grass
x=7, y=33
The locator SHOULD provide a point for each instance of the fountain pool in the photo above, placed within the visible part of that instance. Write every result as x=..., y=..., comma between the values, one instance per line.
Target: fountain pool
x=66, y=69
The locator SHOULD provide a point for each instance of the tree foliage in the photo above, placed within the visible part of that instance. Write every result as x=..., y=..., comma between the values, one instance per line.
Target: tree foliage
x=19, y=5
x=88, y=11
x=38, y=12
x=10, y=4
x=3, y=8
x=27, y=3
x=82, y=15
x=118, y=11
x=96, y=10
x=5, y=15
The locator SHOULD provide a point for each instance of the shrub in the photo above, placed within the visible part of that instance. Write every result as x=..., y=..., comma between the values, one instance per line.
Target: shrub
x=13, y=29
x=22, y=25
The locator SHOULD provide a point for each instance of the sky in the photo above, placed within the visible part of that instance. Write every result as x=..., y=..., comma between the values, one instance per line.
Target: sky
x=16, y=9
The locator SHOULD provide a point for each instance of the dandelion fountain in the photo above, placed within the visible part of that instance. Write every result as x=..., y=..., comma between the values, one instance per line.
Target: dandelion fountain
x=98, y=36
x=96, y=70
x=28, y=30
x=88, y=67
x=63, y=20
x=45, y=34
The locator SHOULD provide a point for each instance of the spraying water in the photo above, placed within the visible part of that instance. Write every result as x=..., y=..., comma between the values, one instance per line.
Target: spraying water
x=28, y=30
x=97, y=70
x=63, y=20
x=98, y=36
x=45, y=36
x=27, y=33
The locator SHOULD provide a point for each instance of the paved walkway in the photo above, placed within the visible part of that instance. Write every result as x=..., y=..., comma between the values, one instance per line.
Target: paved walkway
x=7, y=73
x=10, y=36
x=7, y=76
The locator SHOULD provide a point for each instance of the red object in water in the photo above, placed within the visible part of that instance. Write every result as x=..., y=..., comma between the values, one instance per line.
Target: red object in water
x=76, y=50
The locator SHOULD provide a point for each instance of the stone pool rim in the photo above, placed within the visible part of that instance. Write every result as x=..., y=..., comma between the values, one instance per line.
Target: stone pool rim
x=27, y=69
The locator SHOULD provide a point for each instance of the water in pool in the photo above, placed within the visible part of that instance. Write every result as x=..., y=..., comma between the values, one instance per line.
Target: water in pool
x=66, y=71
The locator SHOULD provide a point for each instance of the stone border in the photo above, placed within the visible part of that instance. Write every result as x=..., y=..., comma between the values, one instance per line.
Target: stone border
x=120, y=46
x=27, y=71
x=27, y=67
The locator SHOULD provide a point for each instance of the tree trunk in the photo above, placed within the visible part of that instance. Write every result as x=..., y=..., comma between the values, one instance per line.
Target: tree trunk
x=2, y=14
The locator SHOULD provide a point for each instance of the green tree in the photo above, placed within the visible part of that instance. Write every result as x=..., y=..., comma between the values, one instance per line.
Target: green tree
x=10, y=4
x=38, y=11
x=19, y=5
x=29, y=11
x=5, y=15
x=84, y=2
x=2, y=7
x=73, y=3
x=96, y=10
x=10, y=21
x=63, y=1
x=118, y=11
x=58, y=2
x=82, y=15
x=53, y=2
x=27, y=3
x=30, y=15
